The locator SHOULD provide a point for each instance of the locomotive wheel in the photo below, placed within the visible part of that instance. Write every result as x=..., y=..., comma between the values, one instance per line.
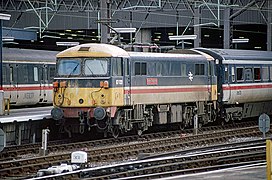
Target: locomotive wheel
x=115, y=131
x=101, y=125
x=181, y=126
x=228, y=117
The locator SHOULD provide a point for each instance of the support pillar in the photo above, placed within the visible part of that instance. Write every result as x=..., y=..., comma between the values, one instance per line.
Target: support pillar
x=143, y=36
x=197, y=28
x=226, y=43
x=269, y=27
x=104, y=18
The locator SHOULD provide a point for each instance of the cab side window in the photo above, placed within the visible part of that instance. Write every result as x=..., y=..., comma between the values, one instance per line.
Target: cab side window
x=117, y=67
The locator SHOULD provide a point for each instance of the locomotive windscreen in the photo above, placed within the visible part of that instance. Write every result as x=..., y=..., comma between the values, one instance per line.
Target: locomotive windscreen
x=82, y=66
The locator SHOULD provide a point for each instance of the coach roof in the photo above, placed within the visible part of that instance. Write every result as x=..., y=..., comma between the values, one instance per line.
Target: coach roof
x=16, y=54
x=235, y=54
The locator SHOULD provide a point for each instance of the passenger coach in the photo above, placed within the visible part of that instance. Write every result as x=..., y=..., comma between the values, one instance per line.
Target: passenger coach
x=244, y=82
x=28, y=76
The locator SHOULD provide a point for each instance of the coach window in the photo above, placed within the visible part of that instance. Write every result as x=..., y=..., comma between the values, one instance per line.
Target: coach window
x=257, y=73
x=226, y=72
x=183, y=70
x=11, y=74
x=239, y=74
x=232, y=74
x=140, y=68
x=248, y=74
x=23, y=75
x=199, y=69
x=270, y=73
x=36, y=77
x=4, y=74
x=265, y=73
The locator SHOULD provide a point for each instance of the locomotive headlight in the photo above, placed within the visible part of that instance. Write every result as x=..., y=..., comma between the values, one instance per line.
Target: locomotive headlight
x=55, y=86
x=63, y=84
x=104, y=84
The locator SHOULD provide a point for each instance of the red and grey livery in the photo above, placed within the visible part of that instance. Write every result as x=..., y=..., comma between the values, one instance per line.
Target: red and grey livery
x=115, y=91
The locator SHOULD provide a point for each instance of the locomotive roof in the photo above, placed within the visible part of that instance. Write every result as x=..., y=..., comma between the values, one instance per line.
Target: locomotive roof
x=192, y=55
x=234, y=54
x=107, y=50
x=16, y=54
x=94, y=50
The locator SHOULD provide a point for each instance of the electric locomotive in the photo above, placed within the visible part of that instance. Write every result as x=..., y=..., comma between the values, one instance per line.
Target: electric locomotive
x=112, y=90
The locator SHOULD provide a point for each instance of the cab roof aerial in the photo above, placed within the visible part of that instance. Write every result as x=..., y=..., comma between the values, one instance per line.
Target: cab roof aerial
x=93, y=50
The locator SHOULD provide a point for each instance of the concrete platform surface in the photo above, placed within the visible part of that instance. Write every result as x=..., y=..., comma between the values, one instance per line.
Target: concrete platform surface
x=26, y=114
x=254, y=172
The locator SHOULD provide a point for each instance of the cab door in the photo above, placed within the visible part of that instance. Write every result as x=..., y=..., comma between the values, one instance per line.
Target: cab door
x=127, y=81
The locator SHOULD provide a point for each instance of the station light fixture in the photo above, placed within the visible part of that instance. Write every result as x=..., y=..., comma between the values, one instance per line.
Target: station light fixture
x=5, y=17
x=67, y=43
x=244, y=40
x=7, y=39
x=182, y=37
x=124, y=30
x=49, y=36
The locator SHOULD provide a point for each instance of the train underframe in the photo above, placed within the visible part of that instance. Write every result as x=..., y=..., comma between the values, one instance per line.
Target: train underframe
x=140, y=117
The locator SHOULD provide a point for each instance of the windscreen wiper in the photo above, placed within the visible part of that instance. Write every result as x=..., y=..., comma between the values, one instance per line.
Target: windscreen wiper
x=73, y=70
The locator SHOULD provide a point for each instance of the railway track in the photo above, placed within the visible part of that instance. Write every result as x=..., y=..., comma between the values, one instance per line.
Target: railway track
x=126, y=150
x=188, y=161
x=16, y=152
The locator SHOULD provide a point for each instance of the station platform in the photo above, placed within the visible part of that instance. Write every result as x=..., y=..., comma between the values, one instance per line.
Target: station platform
x=25, y=125
x=26, y=114
x=251, y=172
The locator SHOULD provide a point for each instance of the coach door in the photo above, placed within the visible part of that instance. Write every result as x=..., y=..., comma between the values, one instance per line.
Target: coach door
x=44, y=83
x=212, y=81
x=13, y=83
x=127, y=82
